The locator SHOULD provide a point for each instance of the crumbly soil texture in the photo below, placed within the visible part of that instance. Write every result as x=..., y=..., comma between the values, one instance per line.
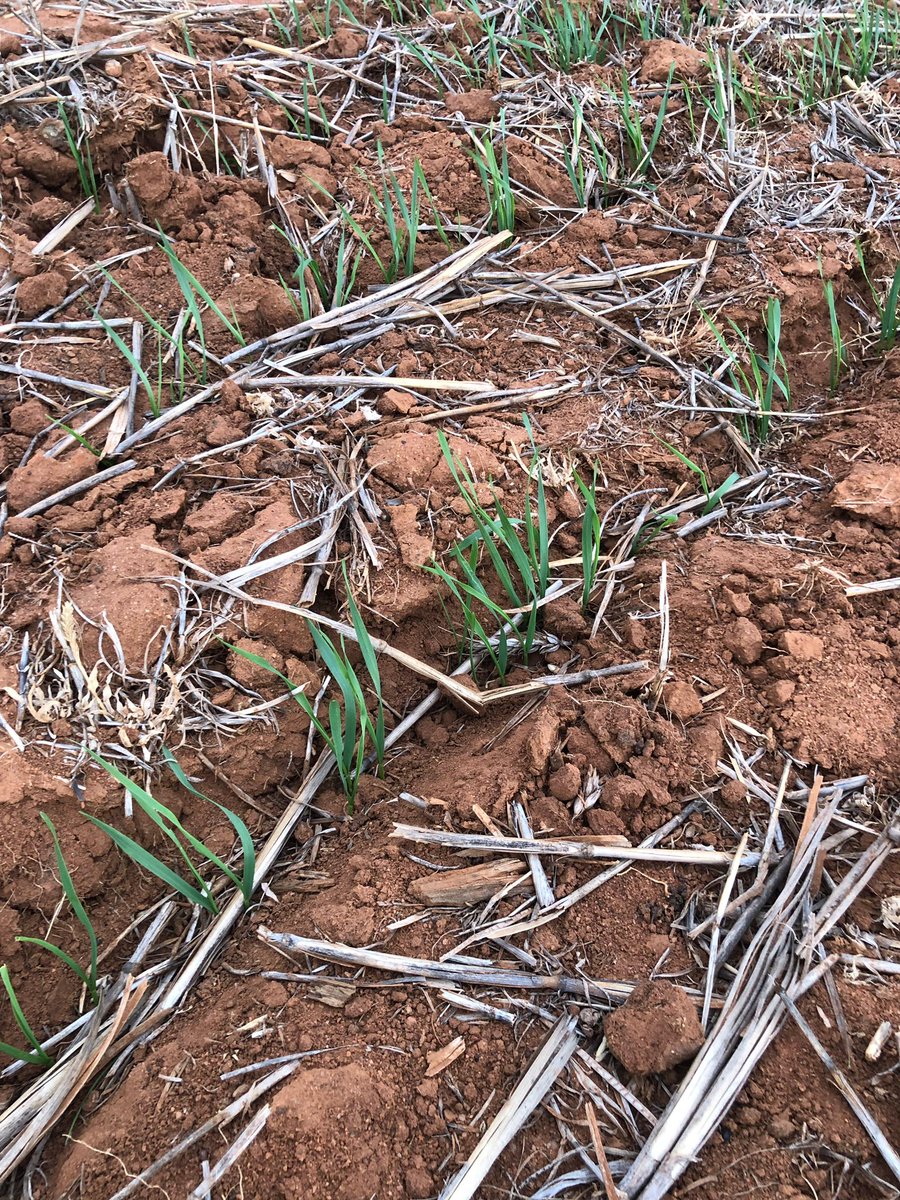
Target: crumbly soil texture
x=578, y=320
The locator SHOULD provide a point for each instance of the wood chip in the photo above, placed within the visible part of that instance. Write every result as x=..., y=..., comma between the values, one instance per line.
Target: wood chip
x=469, y=885
x=440, y=1060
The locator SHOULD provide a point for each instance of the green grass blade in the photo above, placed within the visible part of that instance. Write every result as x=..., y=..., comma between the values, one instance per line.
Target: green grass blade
x=39, y=1056
x=74, y=899
x=248, y=850
x=67, y=959
x=149, y=862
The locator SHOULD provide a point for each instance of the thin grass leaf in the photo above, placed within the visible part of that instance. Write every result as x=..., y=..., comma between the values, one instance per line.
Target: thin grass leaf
x=248, y=850
x=70, y=962
x=78, y=908
x=39, y=1056
x=149, y=862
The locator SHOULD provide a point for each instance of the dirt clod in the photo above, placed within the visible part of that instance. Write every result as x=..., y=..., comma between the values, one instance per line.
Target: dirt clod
x=871, y=491
x=655, y=1029
x=744, y=640
x=681, y=700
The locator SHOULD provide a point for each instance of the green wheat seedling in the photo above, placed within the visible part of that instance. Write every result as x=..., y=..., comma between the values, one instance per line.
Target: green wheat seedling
x=168, y=346
x=870, y=39
x=311, y=89
x=290, y=34
x=153, y=392
x=714, y=496
x=861, y=46
x=82, y=441
x=838, y=347
x=761, y=378
x=87, y=975
x=646, y=16
x=350, y=730
x=591, y=536
x=518, y=554
x=315, y=282
x=186, y=38
x=886, y=309
x=194, y=293
x=36, y=1056
x=412, y=13
x=192, y=886
x=586, y=170
x=401, y=220
x=573, y=33
x=339, y=9
x=641, y=150
x=80, y=149
x=888, y=314
x=494, y=175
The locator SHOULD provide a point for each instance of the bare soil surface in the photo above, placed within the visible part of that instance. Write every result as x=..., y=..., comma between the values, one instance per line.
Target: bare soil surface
x=135, y=562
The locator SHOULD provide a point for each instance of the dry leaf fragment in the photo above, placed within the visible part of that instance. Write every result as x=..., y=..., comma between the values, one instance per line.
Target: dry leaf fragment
x=439, y=1060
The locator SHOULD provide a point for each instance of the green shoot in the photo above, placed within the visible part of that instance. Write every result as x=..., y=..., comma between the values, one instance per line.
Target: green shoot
x=591, y=536
x=349, y=730
x=759, y=378
x=401, y=219
x=518, y=554
x=584, y=173
x=194, y=888
x=80, y=149
x=494, y=174
x=192, y=290
x=37, y=1056
x=310, y=88
x=838, y=347
x=641, y=150
x=134, y=362
x=886, y=311
x=88, y=977
x=889, y=314
x=572, y=34
x=714, y=496
x=79, y=438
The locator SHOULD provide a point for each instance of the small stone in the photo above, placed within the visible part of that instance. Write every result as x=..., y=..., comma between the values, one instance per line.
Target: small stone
x=781, y=1127
x=871, y=491
x=681, y=700
x=744, y=640
x=396, y=402
x=739, y=602
x=770, y=617
x=568, y=505
x=804, y=646
x=623, y=791
x=113, y=68
x=664, y=57
x=418, y=1184
x=222, y=432
x=40, y=292
x=655, y=1029
x=780, y=693
x=748, y=1115
x=565, y=784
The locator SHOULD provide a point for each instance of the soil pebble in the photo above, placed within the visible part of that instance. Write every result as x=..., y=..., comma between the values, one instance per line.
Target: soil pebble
x=121, y=588
x=661, y=56
x=804, y=646
x=324, y=1128
x=681, y=700
x=871, y=490
x=40, y=292
x=42, y=477
x=565, y=784
x=744, y=640
x=655, y=1029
